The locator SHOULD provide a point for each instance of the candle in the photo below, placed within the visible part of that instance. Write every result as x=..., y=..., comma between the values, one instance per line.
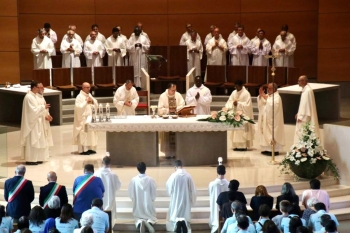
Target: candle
x=100, y=111
x=108, y=113
x=93, y=113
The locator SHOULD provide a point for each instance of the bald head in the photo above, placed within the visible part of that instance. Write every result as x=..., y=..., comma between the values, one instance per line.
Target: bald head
x=86, y=87
x=72, y=27
x=302, y=81
x=51, y=176
x=217, y=33
x=20, y=170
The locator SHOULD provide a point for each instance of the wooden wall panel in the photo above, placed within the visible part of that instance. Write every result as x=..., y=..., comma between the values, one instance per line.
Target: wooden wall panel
x=56, y=7
x=333, y=65
x=9, y=69
x=9, y=35
x=278, y=6
x=204, y=6
x=303, y=25
x=333, y=29
x=29, y=24
x=156, y=32
x=305, y=58
x=26, y=64
x=8, y=8
x=201, y=24
x=133, y=7
x=327, y=6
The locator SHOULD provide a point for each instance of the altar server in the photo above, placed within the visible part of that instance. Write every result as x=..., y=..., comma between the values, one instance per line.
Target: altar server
x=111, y=183
x=126, y=99
x=71, y=50
x=265, y=127
x=142, y=191
x=115, y=48
x=99, y=36
x=200, y=97
x=239, y=46
x=219, y=185
x=182, y=192
x=138, y=46
x=187, y=35
x=240, y=101
x=194, y=53
x=307, y=111
x=94, y=51
x=42, y=49
x=32, y=136
x=285, y=49
x=84, y=106
x=262, y=47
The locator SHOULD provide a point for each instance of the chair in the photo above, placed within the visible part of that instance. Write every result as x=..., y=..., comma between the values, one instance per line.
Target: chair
x=143, y=105
x=293, y=75
x=123, y=73
x=62, y=81
x=280, y=76
x=215, y=77
x=56, y=61
x=256, y=77
x=81, y=75
x=43, y=76
x=104, y=81
x=234, y=73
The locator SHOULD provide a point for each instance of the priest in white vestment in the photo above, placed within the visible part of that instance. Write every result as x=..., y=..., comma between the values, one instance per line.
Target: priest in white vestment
x=71, y=50
x=216, y=49
x=94, y=51
x=182, y=192
x=234, y=32
x=99, y=36
x=200, y=97
x=143, y=192
x=187, y=35
x=46, y=119
x=85, y=104
x=194, y=53
x=76, y=36
x=125, y=41
x=210, y=35
x=265, y=127
x=126, y=99
x=42, y=49
x=307, y=111
x=51, y=34
x=138, y=46
x=115, y=48
x=139, y=24
x=262, y=47
x=239, y=47
x=111, y=183
x=240, y=100
x=169, y=102
x=219, y=185
x=292, y=39
x=32, y=136
x=285, y=49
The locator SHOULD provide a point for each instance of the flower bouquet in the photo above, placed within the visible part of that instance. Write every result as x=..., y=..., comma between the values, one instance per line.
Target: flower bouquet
x=307, y=159
x=228, y=116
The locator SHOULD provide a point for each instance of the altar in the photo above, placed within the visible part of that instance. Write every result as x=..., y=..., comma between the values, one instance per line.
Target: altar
x=135, y=139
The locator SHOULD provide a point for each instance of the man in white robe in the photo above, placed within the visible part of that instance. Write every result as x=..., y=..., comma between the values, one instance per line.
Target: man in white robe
x=292, y=39
x=262, y=47
x=187, y=35
x=182, y=192
x=111, y=183
x=240, y=100
x=216, y=49
x=143, y=192
x=139, y=24
x=265, y=127
x=85, y=104
x=42, y=48
x=194, y=53
x=219, y=185
x=285, y=49
x=199, y=96
x=76, y=36
x=125, y=40
x=126, y=99
x=51, y=34
x=239, y=46
x=46, y=119
x=71, y=50
x=234, y=32
x=169, y=102
x=94, y=51
x=32, y=136
x=307, y=111
x=138, y=46
x=99, y=35
x=115, y=48
x=210, y=35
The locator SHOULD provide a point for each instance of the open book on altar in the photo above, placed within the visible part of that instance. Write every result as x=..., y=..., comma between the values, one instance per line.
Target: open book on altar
x=186, y=111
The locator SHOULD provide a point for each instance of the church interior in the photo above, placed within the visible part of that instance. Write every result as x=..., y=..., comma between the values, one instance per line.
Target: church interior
x=320, y=28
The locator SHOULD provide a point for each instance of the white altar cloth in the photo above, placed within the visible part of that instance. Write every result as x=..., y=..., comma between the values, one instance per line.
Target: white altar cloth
x=146, y=124
x=316, y=87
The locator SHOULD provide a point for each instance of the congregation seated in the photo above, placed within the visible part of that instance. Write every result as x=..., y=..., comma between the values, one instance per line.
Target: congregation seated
x=270, y=227
x=49, y=224
x=54, y=208
x=316, y=191
x=284, y=208
x=261, y=197
x=287, y=193
x=310, y=208
x=314, y=221
x=264, y=212
x=65, y=223
x=23, y=223
x=86, y=220
x=37, y=220
x=293, y=225
x=101, y=219
x=331, y=227
x=5, y=222
x=239, y=196
x=293, y=213
x=235, y=207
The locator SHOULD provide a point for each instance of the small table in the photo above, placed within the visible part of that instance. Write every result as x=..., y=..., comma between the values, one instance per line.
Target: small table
x=327, y=97
x=135, y=139
x=11, y=102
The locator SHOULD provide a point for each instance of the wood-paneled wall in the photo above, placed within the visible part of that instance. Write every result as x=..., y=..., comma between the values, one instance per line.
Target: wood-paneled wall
x=312, y=22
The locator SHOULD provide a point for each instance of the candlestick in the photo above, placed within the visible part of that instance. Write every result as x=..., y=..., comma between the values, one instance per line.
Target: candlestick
x=100, y=112
x=108, y=112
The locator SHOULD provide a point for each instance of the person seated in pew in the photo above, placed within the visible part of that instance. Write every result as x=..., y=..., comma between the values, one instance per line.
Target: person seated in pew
x=236, y=206
x=264, y=212
x=284, y=208
x=239, y=196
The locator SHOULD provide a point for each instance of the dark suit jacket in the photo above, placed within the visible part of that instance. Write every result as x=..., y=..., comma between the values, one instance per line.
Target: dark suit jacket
x=257, y=201
x=45, y=191
x=20, y=206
